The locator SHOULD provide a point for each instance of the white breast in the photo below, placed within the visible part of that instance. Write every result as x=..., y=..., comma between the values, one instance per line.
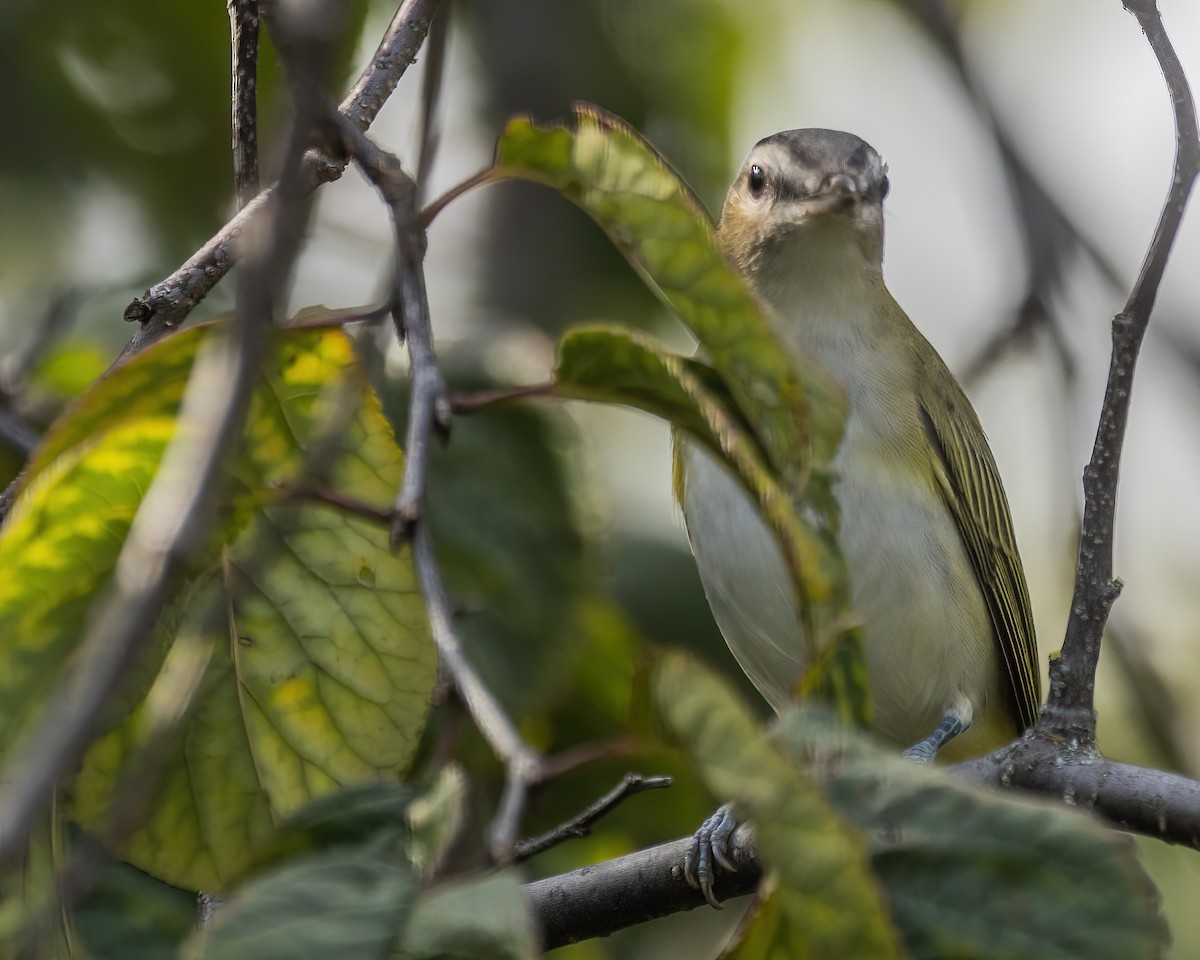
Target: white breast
x=911, y=581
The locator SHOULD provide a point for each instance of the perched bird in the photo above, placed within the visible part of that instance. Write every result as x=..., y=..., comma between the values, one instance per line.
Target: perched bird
x=935, y=577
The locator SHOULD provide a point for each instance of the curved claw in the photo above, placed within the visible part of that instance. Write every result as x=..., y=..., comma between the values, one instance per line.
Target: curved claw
x=710, y=843
x=921, y=752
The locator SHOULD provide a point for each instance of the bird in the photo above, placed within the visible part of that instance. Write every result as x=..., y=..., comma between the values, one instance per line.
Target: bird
x=934, y=573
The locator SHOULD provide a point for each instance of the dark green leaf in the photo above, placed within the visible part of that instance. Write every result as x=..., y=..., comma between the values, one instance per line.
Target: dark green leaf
x=349, y=903
x=981, y=875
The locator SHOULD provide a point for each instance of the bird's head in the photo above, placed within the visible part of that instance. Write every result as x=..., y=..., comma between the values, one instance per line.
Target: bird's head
x=809, y=198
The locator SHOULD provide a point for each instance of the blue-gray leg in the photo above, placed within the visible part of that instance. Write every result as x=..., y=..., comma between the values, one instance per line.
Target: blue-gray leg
x=710, y=848
x=950, y=727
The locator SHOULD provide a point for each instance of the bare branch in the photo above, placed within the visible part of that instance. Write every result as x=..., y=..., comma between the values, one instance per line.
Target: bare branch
x=431, y=94
x=1154, y=803
x=581, y=824
x=243, y=35
x=1069, y=710
x=167, y=303
x=601, y=899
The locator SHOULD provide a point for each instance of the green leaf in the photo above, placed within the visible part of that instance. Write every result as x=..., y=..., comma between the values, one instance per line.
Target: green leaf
x=622, y=366
x=478, y=919
x=828, y=902
x=319, y=664
x=977, y=874
x=349, y=903
x=612, y=364
x=774, y=414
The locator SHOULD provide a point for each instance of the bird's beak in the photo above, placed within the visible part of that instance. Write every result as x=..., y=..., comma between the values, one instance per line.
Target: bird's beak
x=839, y=193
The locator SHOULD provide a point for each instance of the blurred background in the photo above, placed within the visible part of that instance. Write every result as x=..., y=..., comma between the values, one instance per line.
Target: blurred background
x=1029, y=145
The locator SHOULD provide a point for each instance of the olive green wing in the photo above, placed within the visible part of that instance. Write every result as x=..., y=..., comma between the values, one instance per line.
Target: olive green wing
x=970, y=483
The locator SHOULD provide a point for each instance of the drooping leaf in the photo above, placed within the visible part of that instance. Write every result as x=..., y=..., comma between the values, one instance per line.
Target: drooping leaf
x=828, y=903
x=615, y=365
x=478, y=919
x=321, y=664
x=978, y=874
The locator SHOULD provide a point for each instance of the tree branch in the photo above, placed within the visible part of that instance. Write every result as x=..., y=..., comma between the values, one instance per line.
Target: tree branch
x=429, y=410
x=598, y=900
x=581, y=824
x=243, y=35
x=168, y=302
x=1069, y=711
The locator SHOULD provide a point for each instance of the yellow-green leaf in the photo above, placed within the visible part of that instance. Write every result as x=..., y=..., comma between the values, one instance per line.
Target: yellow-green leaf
x=320, y=665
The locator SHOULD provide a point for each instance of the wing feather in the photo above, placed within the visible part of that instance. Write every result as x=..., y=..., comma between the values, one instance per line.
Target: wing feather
x=970, y=483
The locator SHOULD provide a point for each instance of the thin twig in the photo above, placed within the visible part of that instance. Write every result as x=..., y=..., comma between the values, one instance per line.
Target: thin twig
x=338, y=316
x=467, y=403
x=1069, y=709
x=582, y=754
x=521, y=763
x=429, y=407
x=243, y=35
x=581, y=824
x=429, y=410
x=167, y=303
x=329, y=497
x=431, y=94
x=172, y=522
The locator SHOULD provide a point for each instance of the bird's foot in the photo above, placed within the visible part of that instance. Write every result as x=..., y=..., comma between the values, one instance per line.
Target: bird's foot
x=709, y=850
x=951, y=726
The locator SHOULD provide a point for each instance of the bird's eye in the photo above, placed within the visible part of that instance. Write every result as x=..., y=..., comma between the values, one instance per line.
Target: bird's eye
x=756, y=180
x=885, y=187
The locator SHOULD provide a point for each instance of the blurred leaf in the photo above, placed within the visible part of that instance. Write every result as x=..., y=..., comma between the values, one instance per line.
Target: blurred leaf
x=436, y=818
x=109, y=95
x=978, y=874
x=350, y=903
x=479, y=919
x=69, y=368
x=371, y=811
x=328, y=681
x=828, y=902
